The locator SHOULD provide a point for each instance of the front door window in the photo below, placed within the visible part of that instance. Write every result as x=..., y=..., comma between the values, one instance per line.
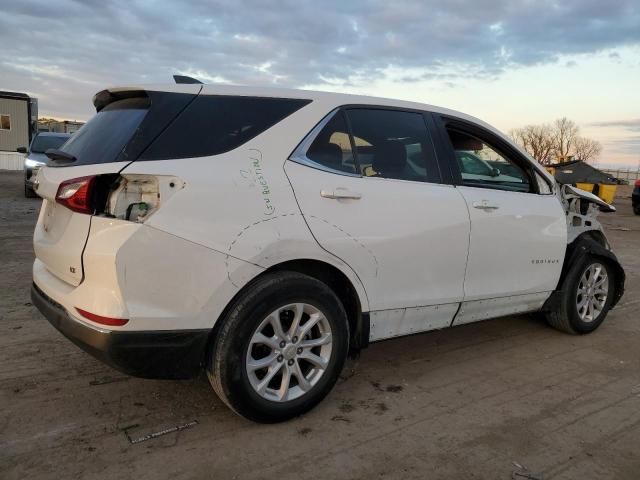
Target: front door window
x=483, y=166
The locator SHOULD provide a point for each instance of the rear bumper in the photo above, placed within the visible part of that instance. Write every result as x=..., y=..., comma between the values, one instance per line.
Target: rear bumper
x=147, y=354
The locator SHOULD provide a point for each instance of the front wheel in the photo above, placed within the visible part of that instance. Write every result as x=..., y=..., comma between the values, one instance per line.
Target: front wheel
x=280, y=348
x=587, y=295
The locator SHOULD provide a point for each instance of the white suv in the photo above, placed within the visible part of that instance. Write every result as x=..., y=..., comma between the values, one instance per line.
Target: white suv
x=264, y=234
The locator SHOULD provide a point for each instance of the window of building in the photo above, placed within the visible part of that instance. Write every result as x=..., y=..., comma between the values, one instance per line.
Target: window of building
x=5, y=122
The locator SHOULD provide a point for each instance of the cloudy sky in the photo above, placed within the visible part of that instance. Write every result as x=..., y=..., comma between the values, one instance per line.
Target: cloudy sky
x=509, y=62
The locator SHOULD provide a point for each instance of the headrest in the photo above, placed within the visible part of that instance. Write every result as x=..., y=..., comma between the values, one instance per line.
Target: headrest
x=462, y=141
x=328, y=154
x=390, y=158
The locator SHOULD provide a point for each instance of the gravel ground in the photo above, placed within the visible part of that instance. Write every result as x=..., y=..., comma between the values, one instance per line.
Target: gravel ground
x=474, y=401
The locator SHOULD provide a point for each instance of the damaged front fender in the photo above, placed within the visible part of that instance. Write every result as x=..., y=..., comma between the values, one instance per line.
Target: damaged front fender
x=587, y=196
x=585, y=236
x=582, y=209
x=586, y=245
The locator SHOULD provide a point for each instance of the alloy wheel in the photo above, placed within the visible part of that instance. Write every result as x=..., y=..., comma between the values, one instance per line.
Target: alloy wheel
x=593, y=289
x=289, y=352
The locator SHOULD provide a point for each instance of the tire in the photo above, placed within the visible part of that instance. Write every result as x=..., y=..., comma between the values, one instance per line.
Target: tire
x=636, y=210
x=233, y=348
x=29, y=193
x=567, y=316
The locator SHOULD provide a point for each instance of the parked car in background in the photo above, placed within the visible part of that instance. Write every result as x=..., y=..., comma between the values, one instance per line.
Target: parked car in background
x=635, y=197
x=262, y=234
x=36, y=157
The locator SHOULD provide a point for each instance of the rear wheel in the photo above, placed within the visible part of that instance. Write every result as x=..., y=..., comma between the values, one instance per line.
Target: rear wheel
x=636, y=209
x=28, y=192
x=588, y=292
x=280, y=348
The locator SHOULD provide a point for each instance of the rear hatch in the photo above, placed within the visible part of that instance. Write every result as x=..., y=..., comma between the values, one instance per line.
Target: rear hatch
x=126, y=123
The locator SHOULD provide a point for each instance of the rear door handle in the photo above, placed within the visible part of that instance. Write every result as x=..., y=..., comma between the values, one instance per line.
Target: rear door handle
x=485, y=205
x=340, y=193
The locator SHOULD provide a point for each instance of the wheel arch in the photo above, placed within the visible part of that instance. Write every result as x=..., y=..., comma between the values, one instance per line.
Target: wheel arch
x=354, y=300
x=594, y=235
x=343, y=287
x=592, y=242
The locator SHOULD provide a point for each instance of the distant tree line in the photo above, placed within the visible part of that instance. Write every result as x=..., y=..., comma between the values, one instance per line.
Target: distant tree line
x=556, y=142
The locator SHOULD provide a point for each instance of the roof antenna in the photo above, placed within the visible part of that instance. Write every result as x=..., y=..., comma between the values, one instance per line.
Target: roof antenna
x=185, y=79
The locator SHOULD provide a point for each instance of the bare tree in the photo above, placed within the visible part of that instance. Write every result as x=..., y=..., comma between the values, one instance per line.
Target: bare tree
x=586, y=149
x=537, y=140
x=549, y=144
x=565, y=133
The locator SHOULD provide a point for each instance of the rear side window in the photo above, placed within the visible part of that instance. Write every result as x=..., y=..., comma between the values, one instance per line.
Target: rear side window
x=393, y=144
x=105, y=136
x=332, y=147
x=213, y=124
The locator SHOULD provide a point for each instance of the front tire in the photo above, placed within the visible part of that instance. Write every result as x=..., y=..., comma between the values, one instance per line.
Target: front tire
x=587, y=294
x=280, y=347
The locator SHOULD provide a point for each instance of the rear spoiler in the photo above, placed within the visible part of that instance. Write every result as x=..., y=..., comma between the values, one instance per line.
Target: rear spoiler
x=109, y=95
x=105, y=97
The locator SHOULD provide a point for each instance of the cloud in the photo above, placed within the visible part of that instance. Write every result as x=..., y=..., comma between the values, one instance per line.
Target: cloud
x=626, y=146
x=632, y=124
x=66, y=50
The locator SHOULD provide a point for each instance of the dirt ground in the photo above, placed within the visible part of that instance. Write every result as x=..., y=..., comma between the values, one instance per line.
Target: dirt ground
x=472, y=402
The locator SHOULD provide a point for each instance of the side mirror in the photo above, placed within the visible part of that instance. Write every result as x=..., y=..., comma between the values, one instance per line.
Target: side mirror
x=495, y=172
x=21, y=149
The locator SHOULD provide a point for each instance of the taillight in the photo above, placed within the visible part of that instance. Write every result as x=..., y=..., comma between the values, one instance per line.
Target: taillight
x=126, y=197
x=75, y=194
x=112, y=322
x=137, y=196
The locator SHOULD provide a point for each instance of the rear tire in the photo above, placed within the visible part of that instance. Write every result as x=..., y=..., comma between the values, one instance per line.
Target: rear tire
x=587, y=295
x=28, y=192
x=296, y=376
x=636, y=210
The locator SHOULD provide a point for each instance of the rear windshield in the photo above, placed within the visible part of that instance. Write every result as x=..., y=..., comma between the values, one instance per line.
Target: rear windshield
x=164, y=126
x=44, y=142
x=105, y=136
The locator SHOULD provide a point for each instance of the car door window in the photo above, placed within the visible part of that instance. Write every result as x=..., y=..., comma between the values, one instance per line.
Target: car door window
x=482, y=165
x=393, y=144
x=332, y=147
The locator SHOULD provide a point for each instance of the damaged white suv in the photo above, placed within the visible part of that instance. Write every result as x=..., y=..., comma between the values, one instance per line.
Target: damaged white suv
x=263, y=235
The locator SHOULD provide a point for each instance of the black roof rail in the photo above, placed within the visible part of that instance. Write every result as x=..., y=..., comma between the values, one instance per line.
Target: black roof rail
x=185, y=79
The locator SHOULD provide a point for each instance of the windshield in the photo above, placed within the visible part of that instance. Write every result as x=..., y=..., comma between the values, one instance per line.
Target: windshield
x=43, y=143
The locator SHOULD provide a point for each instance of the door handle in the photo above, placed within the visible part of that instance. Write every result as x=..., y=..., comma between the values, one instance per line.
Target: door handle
x=340, y=193
x=485, y=205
